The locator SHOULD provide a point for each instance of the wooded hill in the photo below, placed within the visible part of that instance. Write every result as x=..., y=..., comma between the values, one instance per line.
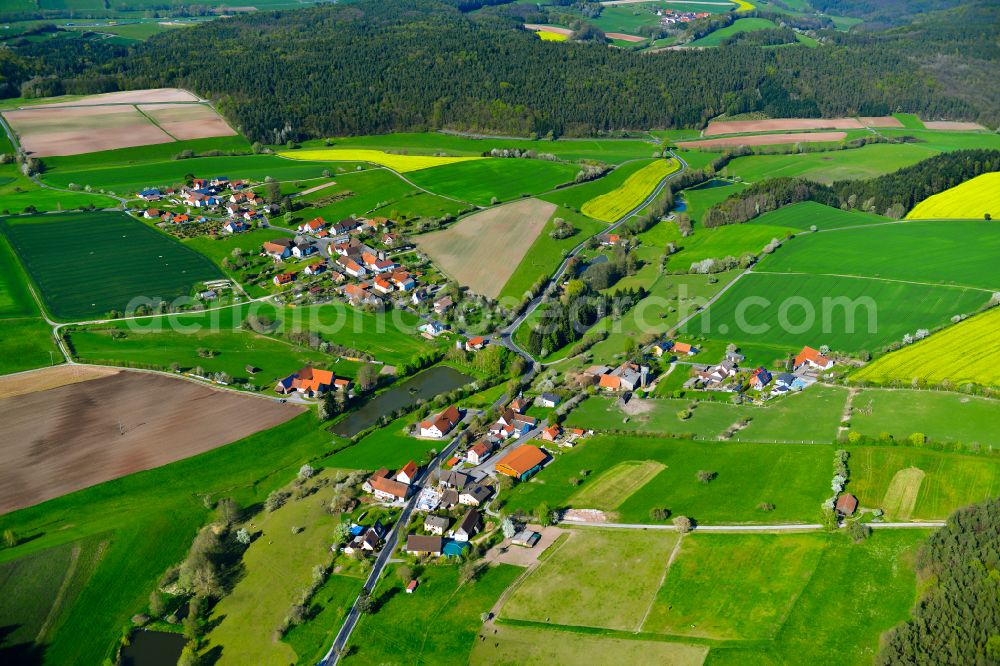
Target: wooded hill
x=379, y=66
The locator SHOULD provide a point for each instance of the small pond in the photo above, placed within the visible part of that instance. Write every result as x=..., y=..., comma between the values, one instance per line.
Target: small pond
x=426, y=385
x=153, y=648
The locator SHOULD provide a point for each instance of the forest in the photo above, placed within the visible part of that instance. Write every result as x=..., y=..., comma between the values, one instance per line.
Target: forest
x=395, y=65
x=957, y=621
x=891, y=195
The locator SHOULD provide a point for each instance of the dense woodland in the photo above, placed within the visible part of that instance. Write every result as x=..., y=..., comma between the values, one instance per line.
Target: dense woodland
x=957, y=621
x=420, y=64
x=892, y=194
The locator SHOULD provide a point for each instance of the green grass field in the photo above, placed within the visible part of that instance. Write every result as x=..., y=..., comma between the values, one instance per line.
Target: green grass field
x=480, y=181
x=176, y=338
x=734, y=240
x=511, y=644
x=943, y=417
x=787, y=311
x=873, y=583
x=570, y=587
x=38, y=590
x=261, y=599
x=149, y=519
x=828, y=166
x=126, y=180
x=812, y=416
x=388, y=446
x=699, y=199
x=948, y=481
x=793, y=477
x=948, y=253
x=546, y=253
x=18, y=193
x=716, y=37
x=99, y=271
x=605, y=150
x=966, y=352
x=617, y=484
x=735, y=586
x=311, y=640
x=803, y=216
x=437, y=624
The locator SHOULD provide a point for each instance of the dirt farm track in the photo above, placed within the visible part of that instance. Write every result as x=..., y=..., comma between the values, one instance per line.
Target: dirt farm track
x=68, y=438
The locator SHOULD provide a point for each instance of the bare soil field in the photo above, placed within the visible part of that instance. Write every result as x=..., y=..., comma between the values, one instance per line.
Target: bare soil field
x=68, y=438
x=880, y=121
x=188, y=121
x=48, y=131
x=765, y=139
x=147, y=96
x=787, y=124
x=625, y=38
x=953, y=125
x=33, y=381
x=483, y=250
x=549, y=28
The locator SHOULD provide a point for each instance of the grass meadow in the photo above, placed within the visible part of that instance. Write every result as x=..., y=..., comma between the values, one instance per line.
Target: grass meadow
x=831, y=165
x=571, y=588
x=792, y=477
x=803, y=216
x=429, y=143
x=917, y=484
x=968, y=352
x=18, y=192
x=699, y=199
x=127, y=179
x=809, y=307
x=149, y=520
x=734, y=240
x=261, y=599
x=27, y=340
x=735, y=586
x=111, y=260
x=389, y=446
x=975, y=198
x=716, y=37
x=516, y=643
x=946, y=253
x=941, y=416
x=481, y=181
x=437, y=624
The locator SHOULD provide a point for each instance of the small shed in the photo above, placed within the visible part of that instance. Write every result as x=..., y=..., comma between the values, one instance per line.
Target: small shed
x=847, y=504
x=412, y=585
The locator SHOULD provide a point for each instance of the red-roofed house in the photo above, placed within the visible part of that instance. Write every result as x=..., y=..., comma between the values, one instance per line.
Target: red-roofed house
x=313, y=225
x=479, y=452
x=284, y=278
x=476, y=343
x=847, y=504
x=407, y=473
x=310, y=382
x=551, y=433
x=441, y=424
x=813, y=359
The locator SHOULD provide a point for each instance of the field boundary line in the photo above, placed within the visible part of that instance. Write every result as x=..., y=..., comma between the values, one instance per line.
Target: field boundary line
x=663, y=579
x=708, y=304
x=74, y=560
x=876, y=279
x=155, y=124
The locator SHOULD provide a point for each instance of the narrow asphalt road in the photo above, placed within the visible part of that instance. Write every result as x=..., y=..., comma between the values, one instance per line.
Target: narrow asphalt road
x=507, y=334
x=333, y=654
x=789, y=527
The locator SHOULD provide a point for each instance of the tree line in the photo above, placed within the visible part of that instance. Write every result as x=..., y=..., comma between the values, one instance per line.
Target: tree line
x=371, y=67
x=891, y=194
x=957, y=620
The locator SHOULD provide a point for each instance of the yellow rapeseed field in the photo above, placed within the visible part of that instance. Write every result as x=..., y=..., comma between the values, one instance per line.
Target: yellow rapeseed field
x=972, y=199
x=611, y=206
x=966, y=352
x=400, y=163
x=743, y=6
x=547, y=36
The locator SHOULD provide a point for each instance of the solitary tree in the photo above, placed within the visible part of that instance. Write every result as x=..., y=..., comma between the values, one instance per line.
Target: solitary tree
x=682, y=524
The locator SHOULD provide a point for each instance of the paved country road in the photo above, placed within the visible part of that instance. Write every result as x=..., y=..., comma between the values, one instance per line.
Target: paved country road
x=391, y=542
x=789, y=527
x=507, y=334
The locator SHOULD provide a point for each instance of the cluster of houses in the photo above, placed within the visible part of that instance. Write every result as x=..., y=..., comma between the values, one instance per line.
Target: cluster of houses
x=673, y=16
x=241, y=204
x=728, y=376
x=312, y=383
